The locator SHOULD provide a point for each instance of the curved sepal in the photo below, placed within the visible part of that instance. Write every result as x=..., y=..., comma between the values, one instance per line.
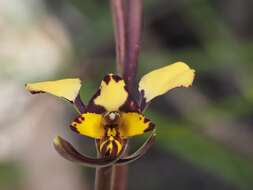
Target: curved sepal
x=140, y=152
x=65, y=88
x=67, y=151
x=164, y=79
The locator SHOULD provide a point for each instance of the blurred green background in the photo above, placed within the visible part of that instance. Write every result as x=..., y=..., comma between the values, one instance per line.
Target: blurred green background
x=204, y=133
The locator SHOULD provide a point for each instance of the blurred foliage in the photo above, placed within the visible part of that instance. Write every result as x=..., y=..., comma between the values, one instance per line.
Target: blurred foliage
x=10, y=176
x=179, y=137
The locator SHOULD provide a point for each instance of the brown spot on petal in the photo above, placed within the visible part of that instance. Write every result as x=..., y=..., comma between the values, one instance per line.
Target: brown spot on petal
x=114, y=150
x=150, y=127
x=116, y=78
x=77, y=120
x=129, y=106
x=104, y=149
x=36, y=92
x=73, y=128
x=96, y=109
x=146, y=120
x=107, y=79
x=92, y=107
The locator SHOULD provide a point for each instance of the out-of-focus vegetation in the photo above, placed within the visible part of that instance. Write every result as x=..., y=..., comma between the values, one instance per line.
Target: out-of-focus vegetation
x=204, y=133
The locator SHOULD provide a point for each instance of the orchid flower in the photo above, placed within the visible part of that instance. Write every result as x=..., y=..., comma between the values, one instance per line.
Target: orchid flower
x=112, y=115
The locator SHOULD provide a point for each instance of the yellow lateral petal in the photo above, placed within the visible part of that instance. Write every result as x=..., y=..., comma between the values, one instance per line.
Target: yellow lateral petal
x=166, y=78
x=134, y=124
x=65, y=88
x=112, y=93
x=89, y=124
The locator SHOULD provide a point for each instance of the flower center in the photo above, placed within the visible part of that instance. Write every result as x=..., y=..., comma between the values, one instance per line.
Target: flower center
x=111, y=144
x=111, y=119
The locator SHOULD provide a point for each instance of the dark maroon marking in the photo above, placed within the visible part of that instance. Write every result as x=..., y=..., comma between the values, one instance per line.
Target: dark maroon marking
x=82, y=118
x=107, y=79
x=139, y=118
x=114, y=149
x=129, y=106
x=104, y=150
x=77, y=120
x=67, y=99
x=111, y=126
x=117, y=137
x=142, y=103
x=92, y=107
x=116, y=78
x=95, y=96
x=79, y=103
x=146, y=120
x=150, y=127
x=36, y=92
x=73, y=128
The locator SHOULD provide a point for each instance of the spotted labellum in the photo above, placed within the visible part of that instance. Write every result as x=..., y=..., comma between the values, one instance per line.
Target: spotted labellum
x=112, y=115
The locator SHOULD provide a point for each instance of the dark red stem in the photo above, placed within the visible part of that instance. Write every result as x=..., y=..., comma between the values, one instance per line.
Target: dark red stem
x=132, y=36
x=134, y=28
x=103, y=178
x=118, y=17
x=127, y=19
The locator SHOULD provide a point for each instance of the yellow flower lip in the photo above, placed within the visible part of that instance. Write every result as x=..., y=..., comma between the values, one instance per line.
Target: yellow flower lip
x=113, y=115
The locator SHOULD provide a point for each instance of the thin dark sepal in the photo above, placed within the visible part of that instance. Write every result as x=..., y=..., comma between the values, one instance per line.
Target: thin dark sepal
x=67, y=151
x=140, y=152
x=79, y=104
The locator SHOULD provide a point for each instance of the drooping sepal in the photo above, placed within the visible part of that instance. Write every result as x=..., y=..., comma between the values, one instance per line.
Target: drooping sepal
x=162, y=80
x=140, y=152
x=67, y=151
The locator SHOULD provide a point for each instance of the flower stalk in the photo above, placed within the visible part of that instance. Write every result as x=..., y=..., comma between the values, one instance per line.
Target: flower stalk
x=127, y=20
x=115, y=177
x=134, y=28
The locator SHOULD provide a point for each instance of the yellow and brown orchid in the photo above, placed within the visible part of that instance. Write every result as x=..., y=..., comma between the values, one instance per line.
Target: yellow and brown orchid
x=112, y=115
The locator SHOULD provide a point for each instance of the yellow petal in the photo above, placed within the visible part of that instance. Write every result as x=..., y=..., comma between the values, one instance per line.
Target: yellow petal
x=65, y=88
x=166, y=78
x=133, y=124
x=89, y=124
x=112, y=93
